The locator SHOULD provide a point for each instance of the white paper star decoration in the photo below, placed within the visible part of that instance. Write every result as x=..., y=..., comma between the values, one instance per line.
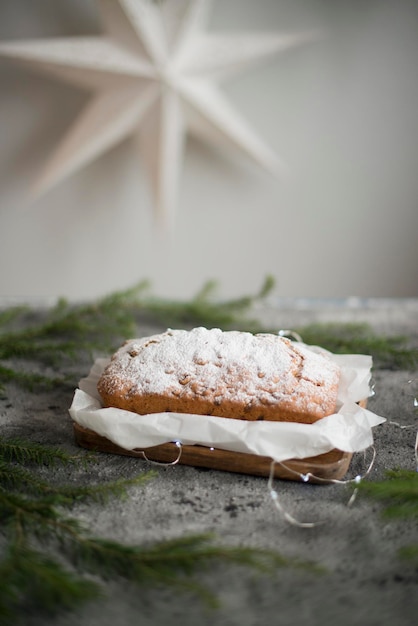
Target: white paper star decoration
x=155, y=72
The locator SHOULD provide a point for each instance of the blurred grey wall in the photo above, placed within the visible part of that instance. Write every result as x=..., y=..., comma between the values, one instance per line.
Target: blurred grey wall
x=341, y=112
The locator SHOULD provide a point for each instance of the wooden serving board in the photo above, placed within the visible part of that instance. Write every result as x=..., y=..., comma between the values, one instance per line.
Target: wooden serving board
x=331, y=465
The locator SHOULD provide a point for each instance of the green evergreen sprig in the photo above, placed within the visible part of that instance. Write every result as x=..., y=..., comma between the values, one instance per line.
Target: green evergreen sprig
x=398, y=494
x=173, y=562
x=50, y=555
x=16, y=449
x=57, y=337
x=27, y=379
x=11, y=314
x=205, y=310
x=388, y=352
x=32, y=580
x=63, y=334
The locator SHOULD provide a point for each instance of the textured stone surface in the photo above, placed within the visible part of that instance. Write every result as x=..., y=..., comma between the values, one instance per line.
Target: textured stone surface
x=365, y=581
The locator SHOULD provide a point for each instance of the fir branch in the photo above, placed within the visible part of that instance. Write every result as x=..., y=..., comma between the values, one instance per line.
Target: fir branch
x=409, y=552
x=67, y=332
x=15, y=477
x=389, y=352
x=33, y=346
x=11, y=315
x=203, y=310
x=33, y=511
x=23, y=451
x=163, y=560
x=32, y=581
x=27, y=380
x=398, y=494
x=15, y=453
x=102, y=492
x=71, y=329
x=172, y=562
x=23, y=515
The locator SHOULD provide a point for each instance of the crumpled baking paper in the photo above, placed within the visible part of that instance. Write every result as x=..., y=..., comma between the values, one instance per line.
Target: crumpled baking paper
x=349, y=430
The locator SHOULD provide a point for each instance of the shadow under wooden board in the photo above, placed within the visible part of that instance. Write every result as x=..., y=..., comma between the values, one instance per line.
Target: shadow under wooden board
x=332, y=465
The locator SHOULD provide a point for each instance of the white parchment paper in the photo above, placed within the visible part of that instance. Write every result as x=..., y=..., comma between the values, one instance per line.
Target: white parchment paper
x=350, y=429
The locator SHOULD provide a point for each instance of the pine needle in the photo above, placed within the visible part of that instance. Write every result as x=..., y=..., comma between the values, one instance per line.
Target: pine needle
x=172, y=562
x=17, y=478
x=102, y=492
x=398, y=494
x=33, y=581
x=33, y=513
x=66, y=333
x=204, y=310
x=23, y=451
x=389, y=352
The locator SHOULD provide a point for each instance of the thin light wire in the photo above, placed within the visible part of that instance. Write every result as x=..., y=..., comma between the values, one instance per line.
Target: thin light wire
x=169, y=463
x=290, y=333
x=305, y=478
x=412, y=382
x=401, y=426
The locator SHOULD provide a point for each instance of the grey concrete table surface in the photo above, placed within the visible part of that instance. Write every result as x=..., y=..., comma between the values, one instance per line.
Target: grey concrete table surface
x=365, y=582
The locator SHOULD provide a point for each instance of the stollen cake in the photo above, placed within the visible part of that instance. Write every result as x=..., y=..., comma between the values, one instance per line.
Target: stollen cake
x=229, y=374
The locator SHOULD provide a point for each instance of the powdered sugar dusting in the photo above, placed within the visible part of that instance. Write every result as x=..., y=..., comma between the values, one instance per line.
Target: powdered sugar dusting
x=223, y=366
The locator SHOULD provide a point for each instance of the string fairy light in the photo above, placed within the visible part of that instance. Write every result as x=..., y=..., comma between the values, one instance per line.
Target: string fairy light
x=290, y=333
x=408, y=427
x=317, y=479
x=413, y=383
x=168, y=463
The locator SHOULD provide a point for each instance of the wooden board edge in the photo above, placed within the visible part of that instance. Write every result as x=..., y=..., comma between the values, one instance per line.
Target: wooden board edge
x=332, y=465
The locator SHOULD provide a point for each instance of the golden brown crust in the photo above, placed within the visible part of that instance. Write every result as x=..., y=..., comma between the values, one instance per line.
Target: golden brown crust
x=227, y=374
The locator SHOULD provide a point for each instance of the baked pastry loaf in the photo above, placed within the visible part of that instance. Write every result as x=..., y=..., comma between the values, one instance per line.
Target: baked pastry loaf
x=228, y=374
